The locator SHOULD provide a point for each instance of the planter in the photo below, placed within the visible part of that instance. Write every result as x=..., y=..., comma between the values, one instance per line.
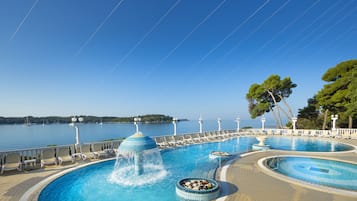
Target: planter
x=197, y=189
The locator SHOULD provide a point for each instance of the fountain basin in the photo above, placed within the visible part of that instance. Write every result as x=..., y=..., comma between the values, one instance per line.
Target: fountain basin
x=202, y=189
x=137, y=143
x=261, y=145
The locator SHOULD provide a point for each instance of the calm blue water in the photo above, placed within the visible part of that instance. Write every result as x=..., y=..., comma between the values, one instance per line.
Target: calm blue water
x=305, y=144
x=319, y=171
x=21, y=137
x=91, y=183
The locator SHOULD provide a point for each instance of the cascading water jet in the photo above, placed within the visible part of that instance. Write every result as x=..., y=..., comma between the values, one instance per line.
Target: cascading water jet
x=138, y=162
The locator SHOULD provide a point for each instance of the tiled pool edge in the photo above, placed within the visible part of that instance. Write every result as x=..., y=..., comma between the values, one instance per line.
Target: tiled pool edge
x=317, y=187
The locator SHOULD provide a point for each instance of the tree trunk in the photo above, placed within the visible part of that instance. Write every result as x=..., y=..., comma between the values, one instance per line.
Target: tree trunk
x=277, y=107
x=286, y=114
x=325, y=120
x=277, y=122
x=350, y=121
x=287, y=106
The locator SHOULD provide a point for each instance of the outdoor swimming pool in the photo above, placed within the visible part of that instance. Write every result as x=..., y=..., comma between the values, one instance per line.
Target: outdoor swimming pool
x=305, y=144
x=330, y=173
x=93, y=182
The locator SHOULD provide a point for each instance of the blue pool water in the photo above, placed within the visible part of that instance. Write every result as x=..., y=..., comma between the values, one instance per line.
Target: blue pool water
x=317, y=171
x=305, y=144
x=92, y=183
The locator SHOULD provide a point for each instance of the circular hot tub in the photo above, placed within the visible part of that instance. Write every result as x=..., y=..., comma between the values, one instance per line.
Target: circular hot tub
x=315, y=172
x=197, y=189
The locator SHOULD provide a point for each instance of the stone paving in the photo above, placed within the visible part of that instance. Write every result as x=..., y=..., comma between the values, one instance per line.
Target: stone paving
x=245, y=180
x=251, y=184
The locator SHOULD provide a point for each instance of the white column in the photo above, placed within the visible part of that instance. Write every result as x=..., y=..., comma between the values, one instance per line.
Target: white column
x=174, y=120
x=136, y=120
x=334, y=119
x=77, y=135
x=74, y=121
x=294, y=120
x=237, y=120
x=263, y=122
x=200, y=122
x=219, y=121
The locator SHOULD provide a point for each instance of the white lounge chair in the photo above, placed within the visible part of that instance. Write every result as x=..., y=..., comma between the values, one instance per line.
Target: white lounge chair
x=48, y=157
x=86, y=152
x=64, y=156
x=99, y=151
x=179, y=140
x=161, y=142
x=12, y=161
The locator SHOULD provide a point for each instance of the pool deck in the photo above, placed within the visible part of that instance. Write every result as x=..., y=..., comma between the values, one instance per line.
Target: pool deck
x=252, y=184
x=245, y=180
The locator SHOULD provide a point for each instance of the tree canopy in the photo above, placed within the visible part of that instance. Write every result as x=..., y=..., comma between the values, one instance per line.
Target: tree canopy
x=339, y=95
x=265, y=97
x=309, y=116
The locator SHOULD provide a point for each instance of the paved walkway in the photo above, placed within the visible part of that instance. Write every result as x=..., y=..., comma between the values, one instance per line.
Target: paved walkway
x=251, y=184
x=245, y=179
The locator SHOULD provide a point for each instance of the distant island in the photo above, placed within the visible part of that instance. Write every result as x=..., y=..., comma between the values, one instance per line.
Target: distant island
x=150, y=118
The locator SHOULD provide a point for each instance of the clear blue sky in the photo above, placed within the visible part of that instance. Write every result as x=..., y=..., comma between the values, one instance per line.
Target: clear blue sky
x=181, y=58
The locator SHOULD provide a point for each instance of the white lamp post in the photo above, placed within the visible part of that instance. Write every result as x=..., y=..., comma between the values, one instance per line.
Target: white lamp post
x=219, y=121
x=263, y=122
x=200, y=121
x=136, y=120
x=74, y=121
x=237, y=121
x=174, y=120
x=294, y=120
x=334, y=119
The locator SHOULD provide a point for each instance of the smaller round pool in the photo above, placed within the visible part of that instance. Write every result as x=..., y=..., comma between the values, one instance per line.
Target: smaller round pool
x=331, y=173
x=306, y=144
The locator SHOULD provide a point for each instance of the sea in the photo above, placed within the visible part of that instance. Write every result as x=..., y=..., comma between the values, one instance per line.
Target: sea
x=14, y=137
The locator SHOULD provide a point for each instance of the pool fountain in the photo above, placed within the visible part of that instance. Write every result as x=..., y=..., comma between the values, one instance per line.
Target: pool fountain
x=261, y=145
x=138, y=162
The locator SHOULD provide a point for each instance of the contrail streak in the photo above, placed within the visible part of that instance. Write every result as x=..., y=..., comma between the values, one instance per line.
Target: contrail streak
x=187, y=36
x=306, y=27
x=24, y=19
x=288, y=25
x=256, y=29
x=337, y=38
x=191, y=32
x=316, y=28
x=233, y=32
x=146, y=35
x=327, y=30
x=98, y=28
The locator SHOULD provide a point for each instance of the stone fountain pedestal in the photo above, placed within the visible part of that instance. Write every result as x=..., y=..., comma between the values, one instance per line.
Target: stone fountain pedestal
x=261, y=145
